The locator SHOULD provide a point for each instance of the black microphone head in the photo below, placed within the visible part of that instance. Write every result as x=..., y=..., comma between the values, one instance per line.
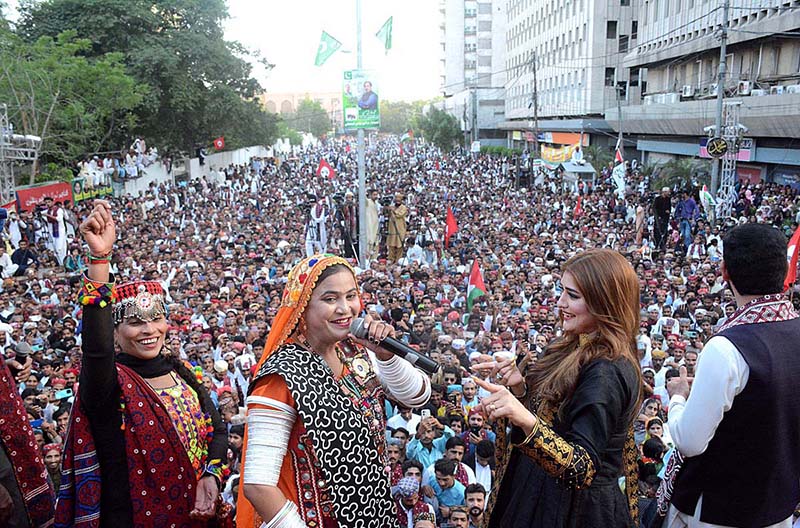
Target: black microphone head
x=357, y=328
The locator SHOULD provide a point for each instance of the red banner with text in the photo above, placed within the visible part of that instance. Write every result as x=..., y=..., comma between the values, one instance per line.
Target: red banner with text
x=30, y=197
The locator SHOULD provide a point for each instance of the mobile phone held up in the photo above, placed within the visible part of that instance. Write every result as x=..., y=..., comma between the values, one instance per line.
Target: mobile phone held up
x=425, y=413
x=64, y=394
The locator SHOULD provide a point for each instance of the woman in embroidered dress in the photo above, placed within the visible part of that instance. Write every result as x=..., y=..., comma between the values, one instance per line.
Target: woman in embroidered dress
x=145, y=444
x=315, y=445
x=571, y=437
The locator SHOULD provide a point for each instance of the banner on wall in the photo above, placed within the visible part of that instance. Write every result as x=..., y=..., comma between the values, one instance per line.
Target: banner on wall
x=80, y=192
x=29, y=197
x=746, y=152
x=558, y=154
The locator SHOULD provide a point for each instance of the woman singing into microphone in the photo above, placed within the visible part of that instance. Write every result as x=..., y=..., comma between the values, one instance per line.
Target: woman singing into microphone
x=571, y=437
x=315, y=448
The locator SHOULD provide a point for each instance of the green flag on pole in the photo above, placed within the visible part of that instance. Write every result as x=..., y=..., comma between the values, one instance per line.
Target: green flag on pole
x=385, y=34
x=327, y=47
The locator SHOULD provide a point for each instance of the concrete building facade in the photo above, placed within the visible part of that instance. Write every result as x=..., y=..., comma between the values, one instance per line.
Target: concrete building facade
x=286, y=103
x=472, y=58
x=577, y=48
x=676, y=61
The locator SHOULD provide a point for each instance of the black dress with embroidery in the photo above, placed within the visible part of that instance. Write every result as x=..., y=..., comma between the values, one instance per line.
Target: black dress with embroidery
x=567, y=473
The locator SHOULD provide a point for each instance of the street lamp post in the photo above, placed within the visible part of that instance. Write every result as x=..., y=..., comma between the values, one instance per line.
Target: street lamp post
x=362, y=179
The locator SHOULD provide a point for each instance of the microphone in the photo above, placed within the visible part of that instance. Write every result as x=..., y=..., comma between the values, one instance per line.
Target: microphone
x=398, y=348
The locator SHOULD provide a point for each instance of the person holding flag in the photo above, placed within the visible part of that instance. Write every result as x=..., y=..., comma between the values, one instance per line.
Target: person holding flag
x=475, y=287
x=451, y=226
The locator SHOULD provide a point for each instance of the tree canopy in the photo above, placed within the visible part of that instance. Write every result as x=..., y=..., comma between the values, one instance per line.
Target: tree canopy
x=76, y=105
x=310, y=116
x=440, y=128
x=398, y=117
x=198, y=85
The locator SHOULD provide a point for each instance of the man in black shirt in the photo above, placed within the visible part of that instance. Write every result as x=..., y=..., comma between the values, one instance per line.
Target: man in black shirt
x=662, y=207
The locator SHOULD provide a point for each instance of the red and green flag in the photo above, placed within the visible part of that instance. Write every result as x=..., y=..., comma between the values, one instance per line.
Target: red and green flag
x=475, y=286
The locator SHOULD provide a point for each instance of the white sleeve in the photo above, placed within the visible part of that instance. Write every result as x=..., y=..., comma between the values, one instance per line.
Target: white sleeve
x=721, y=374
x=403, y=382
x=470, y=474
x=268, y=431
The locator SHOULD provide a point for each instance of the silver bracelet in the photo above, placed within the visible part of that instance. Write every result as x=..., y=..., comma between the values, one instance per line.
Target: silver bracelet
x=268, y=432
x=287, y=517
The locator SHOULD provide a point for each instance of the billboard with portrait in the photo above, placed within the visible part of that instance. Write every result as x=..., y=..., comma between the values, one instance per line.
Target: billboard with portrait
x=360, y=102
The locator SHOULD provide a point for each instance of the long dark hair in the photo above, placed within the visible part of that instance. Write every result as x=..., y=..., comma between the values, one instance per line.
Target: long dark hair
x=610, y=287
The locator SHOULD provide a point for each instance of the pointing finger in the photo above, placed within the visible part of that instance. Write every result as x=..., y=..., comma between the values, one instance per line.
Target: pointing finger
x=491, y=387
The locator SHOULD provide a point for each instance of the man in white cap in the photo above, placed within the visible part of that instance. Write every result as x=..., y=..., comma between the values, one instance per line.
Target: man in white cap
x=221, y=373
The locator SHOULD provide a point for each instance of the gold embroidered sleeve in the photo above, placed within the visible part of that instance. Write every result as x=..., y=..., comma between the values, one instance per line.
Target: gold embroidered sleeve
x=568, y=462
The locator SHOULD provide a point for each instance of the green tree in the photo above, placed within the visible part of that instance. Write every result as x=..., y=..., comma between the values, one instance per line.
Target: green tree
x=682, y=173
x=398, y=117
x=439, y=127
x=310, y=117
x=200, y=85
x=74, y=104
x=285, y=131
x=597, y=156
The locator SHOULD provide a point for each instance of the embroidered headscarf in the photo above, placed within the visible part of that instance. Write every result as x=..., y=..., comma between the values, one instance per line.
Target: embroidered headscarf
x=300, y=284
x=141, y=299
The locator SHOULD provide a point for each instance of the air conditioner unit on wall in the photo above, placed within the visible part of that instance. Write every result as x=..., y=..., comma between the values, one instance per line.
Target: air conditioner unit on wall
x=793, y=89
x=712, y=90
x=672, y=98
x=687, y=91
x=776, y=90
x=649, y=99
x=757, y=92
x=744, y=87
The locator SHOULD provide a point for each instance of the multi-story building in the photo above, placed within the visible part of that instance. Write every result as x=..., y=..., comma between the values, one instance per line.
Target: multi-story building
x=286, y=103
x=472, y=66
x=676, y=61
x=576, y=48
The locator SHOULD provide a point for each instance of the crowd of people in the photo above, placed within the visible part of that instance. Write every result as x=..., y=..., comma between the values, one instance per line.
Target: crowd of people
x=220, y=249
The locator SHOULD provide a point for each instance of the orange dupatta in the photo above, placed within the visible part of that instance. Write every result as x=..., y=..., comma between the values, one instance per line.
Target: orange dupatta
x=300, y=284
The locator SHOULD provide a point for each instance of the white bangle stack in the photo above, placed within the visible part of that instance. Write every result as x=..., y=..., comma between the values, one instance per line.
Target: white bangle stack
x=405, y=382
x=268, y=432
x=287, y=517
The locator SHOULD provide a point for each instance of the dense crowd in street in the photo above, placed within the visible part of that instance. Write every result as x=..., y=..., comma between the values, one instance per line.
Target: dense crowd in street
x=222, y=247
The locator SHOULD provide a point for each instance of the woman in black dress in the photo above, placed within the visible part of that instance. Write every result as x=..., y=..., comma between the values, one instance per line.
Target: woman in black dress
x=571, y=435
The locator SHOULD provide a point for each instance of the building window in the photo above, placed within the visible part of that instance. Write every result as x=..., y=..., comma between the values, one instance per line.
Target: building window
x=485, y=61
x=485, y=9
x=611, y=29
x=624, y=2
x=634, y=30
x=485, y=44
x=484, y=25
x=633, y=74
x=469, y=30
x=610, y=73
x=623, y=43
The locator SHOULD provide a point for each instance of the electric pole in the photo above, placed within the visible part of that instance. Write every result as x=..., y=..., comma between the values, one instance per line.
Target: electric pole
x=362, y=179
x=474, y=114
x=536, y=110
x=619, y=112
x=723, y=66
